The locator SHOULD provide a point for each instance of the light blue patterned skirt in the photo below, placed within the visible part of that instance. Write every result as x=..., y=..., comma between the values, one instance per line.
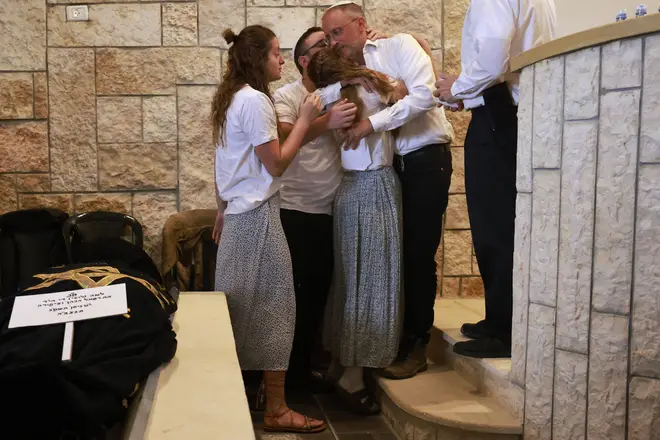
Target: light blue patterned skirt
x=365, y=310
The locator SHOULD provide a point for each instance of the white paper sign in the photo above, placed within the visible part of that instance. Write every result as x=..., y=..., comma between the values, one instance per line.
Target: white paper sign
x=74, y=305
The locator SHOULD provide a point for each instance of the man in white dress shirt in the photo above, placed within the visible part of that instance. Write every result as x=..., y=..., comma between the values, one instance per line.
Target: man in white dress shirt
x=422, y=161
x=308, y=191
x=494, y=32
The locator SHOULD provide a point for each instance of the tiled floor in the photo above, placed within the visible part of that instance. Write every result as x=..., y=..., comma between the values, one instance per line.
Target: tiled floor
x=342, y=425
x=450, y=315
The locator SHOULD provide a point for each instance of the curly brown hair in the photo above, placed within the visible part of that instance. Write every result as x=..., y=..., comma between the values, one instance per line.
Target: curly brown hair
x=327, y=67
x=245, y=65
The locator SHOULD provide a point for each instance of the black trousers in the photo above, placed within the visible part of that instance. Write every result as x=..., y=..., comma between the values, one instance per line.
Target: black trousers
x=310, y=243
x=425, y=177
x=490, y=186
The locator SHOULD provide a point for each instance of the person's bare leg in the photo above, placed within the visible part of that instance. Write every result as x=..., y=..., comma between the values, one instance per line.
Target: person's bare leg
x=278, y=414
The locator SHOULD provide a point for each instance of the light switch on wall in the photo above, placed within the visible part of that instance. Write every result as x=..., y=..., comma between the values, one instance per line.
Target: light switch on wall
x=77, y=13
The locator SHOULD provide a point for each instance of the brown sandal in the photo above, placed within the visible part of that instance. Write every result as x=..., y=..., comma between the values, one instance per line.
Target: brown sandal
x=277, y=427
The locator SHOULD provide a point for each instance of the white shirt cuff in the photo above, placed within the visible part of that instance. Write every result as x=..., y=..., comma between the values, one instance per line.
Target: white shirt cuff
x=379, y=121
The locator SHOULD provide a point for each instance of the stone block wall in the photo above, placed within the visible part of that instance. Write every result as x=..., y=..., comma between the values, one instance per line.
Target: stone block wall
x=113, y=113
x=586, y=330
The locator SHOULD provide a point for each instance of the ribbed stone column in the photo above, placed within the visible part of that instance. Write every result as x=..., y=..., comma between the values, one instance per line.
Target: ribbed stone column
x=586, y=339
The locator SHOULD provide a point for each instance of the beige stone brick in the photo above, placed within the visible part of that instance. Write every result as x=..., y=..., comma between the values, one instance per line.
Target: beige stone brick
x=644, y=409
x=545, y=238
x=194, y=107
x=217, y=15
x=645, y=349
x=113, y=202
x=583, y=69
x=159, y=118
x=608, y=376
x=72, y=120
x=8, y=198
x=152, y=209
x=472, y=287
x=63, y=202
x=16, y=96
x=24, y=25
x=154, y=71
x=23, y=146
x=615, y=195
x=548, y=101
x=539, y=372
x=423, y=18
x=460, y=122
x=458, y=175
x=454, y=17
x=451, y=287
x=649, y=148
x=119, y=119
x=521, y=265
x=180, y=24
x=458, y=254
x=457, y=213
x=288, y=24
x=40, y=95
x=126, y=24
x=33, y=182
x=196, y=178
x=570, y=408
x=622, y=64
x=525, y=131
x=137, y=166
x=578, y=192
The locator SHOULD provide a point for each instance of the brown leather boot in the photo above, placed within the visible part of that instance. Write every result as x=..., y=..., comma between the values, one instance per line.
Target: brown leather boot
x=408, y=365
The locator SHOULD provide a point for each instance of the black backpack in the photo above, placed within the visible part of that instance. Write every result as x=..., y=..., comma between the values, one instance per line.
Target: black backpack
x=31, y=241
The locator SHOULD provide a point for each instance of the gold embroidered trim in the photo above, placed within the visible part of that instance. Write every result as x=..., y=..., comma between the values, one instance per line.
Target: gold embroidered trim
x=84, y=277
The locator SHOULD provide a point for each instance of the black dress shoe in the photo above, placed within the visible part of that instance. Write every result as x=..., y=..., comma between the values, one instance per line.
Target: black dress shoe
x=483, y=348
x=475, y=331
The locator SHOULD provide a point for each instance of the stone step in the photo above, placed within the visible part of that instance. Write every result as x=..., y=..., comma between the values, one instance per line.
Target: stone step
x=440, y=404
x=489, y=376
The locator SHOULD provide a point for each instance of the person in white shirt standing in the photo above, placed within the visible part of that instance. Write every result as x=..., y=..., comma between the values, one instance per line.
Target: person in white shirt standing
x=422, y=162
x=494, y=32
x=308, y=190
x=253, y=263
x=365, y=310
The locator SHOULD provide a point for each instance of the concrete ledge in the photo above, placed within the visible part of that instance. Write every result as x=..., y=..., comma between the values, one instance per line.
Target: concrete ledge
x=439, y=403
x=489, y=376
x=200, y=393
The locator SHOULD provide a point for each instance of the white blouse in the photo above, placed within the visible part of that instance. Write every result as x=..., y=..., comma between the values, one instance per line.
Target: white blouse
x=241, y=178
x=376, y=150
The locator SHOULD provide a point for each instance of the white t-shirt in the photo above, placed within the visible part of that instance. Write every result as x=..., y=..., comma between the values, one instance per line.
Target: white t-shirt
x=376, y=150
x=242, y=179
x=311, y=181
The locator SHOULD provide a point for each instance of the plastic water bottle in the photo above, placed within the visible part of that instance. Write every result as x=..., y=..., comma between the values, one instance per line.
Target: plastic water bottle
x=640, y=11
x=621, y=15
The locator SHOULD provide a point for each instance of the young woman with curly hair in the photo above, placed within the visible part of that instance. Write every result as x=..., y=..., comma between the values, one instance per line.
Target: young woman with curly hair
x=254, y=264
